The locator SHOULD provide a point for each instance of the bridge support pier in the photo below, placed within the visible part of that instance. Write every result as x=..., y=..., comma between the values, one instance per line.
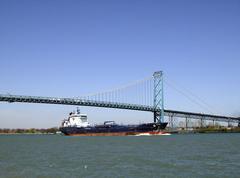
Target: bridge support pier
x=229, y=124
x=171, y=120
x=201, y=122
x=186, y=123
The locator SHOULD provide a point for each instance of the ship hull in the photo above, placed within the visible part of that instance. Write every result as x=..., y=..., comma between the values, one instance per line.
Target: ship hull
x=114, y=130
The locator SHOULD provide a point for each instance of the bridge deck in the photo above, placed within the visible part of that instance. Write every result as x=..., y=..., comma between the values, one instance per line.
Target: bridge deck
x=83, y=102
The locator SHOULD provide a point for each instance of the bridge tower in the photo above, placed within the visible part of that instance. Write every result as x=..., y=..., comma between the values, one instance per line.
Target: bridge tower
x=158, y=100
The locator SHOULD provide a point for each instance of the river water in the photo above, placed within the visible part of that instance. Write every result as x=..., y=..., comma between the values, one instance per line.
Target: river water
x=190, y=155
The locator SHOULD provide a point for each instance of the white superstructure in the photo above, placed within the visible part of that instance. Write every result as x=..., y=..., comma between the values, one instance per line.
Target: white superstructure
x=76, y=119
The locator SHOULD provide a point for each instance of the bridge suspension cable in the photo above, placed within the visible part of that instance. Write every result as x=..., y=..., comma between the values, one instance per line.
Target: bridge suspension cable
x=138, y=92
x=191, y=96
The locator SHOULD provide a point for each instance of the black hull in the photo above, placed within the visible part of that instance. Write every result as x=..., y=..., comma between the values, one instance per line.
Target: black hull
x=113, y=129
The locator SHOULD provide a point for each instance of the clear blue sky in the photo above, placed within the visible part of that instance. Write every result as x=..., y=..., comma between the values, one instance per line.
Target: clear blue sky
x=70, y=48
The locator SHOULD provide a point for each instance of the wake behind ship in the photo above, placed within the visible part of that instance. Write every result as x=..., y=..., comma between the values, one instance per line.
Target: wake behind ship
x=77, y=125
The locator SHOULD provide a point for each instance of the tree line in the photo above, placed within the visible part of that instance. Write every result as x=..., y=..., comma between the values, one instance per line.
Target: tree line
x=52, y=130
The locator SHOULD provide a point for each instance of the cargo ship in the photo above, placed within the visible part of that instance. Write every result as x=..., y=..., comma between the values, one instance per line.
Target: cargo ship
x=77, y=125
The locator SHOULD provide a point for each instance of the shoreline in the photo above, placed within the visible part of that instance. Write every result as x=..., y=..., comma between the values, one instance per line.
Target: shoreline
x=171, y=132
x=56, y=131
x=206, y=130
x=28, y=133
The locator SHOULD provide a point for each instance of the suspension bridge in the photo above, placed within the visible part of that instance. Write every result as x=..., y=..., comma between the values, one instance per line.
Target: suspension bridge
x=143, y=95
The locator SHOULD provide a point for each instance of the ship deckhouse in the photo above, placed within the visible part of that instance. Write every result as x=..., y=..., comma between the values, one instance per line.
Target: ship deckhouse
x=76, y=119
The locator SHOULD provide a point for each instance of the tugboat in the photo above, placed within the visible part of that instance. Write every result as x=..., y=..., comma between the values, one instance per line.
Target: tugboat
x=77, y=125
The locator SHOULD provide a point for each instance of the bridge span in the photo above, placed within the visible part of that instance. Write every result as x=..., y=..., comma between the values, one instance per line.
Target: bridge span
x=85, y=102
x=143, y=95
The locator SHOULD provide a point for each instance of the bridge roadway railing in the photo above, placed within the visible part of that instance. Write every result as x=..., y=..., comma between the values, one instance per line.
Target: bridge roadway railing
x=84, y=102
